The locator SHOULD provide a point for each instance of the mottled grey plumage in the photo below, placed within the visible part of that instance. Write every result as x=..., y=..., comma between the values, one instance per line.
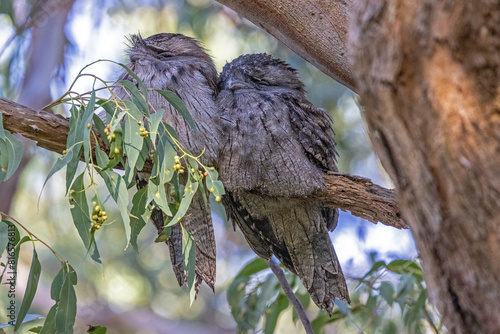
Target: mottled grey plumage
x=277, y=146
x=177, y=63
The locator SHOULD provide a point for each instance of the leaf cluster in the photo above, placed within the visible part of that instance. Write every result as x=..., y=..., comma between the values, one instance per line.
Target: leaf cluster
x=133, y=132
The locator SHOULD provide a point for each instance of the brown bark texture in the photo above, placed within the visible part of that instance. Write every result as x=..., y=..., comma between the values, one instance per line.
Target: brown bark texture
x=428, y=74
x=350, y=193
x=314, y=29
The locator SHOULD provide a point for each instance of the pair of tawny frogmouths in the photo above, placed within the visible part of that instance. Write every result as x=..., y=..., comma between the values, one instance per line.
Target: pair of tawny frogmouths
x=270, y=146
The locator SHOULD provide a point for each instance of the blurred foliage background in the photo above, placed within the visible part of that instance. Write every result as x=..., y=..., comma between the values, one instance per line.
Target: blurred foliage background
x=43, y=45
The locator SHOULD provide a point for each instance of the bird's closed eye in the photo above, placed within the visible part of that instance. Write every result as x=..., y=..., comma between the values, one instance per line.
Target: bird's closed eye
x=156, y=49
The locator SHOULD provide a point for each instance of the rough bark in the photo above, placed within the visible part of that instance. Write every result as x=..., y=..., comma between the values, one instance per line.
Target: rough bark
x=428, y=73
x=350, y=193
x=314, y=29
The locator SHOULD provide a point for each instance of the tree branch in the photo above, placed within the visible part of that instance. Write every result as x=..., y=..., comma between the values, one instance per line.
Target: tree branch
x=315, y=30
x=287, y=289
x=349, y=193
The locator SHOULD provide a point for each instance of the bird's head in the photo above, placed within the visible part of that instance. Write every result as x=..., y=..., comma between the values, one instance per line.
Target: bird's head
x=258, y=71
x=163, y=46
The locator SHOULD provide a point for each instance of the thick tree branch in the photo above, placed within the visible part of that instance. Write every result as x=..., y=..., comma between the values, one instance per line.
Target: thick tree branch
x=349, y=193
x=315, y=30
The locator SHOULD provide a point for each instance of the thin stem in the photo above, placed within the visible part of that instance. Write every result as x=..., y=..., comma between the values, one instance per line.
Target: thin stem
x=33, y=236
x=287, y=289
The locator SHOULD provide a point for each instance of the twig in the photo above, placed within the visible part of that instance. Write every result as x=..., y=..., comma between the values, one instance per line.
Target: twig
x=32, y=236
x=287, y=289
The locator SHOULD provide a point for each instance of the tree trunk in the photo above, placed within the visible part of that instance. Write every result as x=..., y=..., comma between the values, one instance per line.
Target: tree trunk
x=428, y=74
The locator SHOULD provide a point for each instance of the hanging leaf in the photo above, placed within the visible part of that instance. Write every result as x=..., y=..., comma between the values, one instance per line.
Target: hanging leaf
x=138, y=215
x=137, y=97
x=81, y=218
x=177, y=103
x=64, y=160
x=132, y=139
x=187, y=197
x=66, y=308
x=156, y=192
x=189, y=254
x=31, y=286
x=275, y=309
x=86, y=125
x=11, y=152
x=154, y=122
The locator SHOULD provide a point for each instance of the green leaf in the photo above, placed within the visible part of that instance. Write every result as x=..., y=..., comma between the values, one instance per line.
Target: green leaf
x=132, y=140
x=99, y=125
x=49, y=326
x=187, y=197
x=278, y=306
x=140, y=84
x=214, y=185
x=66, y=309
x=36, y=329
x=386, y=290
x=11, y=152
x=13, y=239
x=7, y=7
x=111, y=108
x=12, y=263
x=117, y=189
x=253, y=267
x=156, y=192
x=189, y=253
x=2, y=132
x=31, y=286
x=81, y=218
x=177, y=103
x=64, y=160
x=76, y=127
x=406, y=266
x=137, y=97
x=138, y=215
x=154, y=122
x=143, y=155
x=97, y=330
x=55, y=287
x=4, y=236
x=4, y=160
x=390, y=327
x=165, y=153
x=85, y=128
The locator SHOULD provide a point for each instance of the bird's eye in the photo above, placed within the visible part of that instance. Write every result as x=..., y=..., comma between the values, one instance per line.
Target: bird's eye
x=156, y=49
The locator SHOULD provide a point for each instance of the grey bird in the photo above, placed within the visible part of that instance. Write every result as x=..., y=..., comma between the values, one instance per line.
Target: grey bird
x=178, y=63
x=276, y=147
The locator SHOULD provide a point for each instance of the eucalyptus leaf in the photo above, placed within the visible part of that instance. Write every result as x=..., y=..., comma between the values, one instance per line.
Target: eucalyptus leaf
x=138, y=98
x=31, y=286
x=187, y=197
x=189, y=254
x=81, y=218
x=177, y=103
x=138, y=215
x=66, y=308
x=15, y=153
